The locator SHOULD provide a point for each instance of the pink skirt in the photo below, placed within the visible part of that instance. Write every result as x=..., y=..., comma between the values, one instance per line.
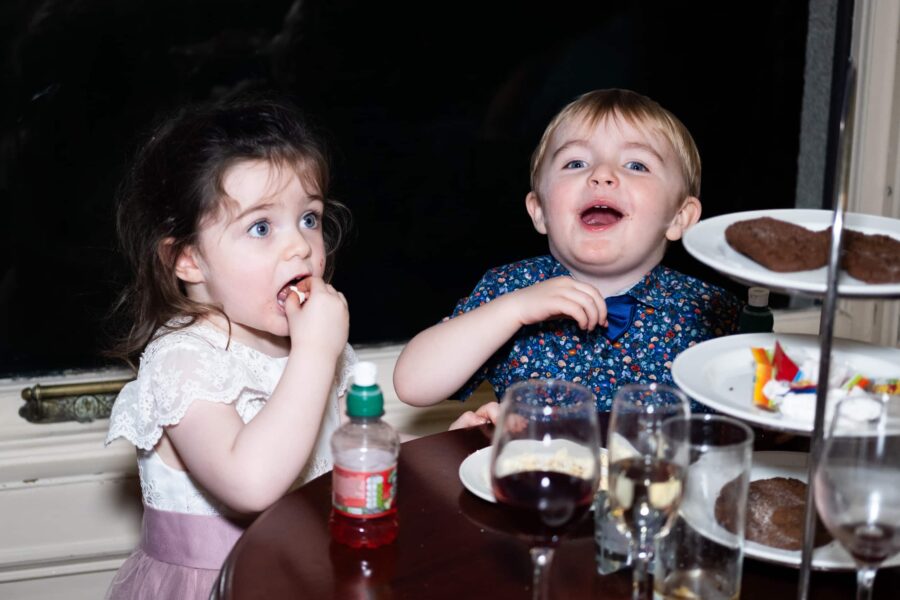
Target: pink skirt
x=179, y=557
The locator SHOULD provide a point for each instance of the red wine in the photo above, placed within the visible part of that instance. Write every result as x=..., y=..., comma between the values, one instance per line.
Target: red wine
x=547, y=502
x=869, y=543
x=644, y=493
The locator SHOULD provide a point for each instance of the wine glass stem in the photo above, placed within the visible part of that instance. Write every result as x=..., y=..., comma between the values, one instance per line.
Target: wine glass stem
x=865, y=578
x=541, y=557
x=641, y=589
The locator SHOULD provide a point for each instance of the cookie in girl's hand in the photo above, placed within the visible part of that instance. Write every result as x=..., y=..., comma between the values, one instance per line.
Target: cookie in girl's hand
x=302, y=289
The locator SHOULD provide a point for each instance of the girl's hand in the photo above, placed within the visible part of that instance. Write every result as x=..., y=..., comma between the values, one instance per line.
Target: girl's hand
x=560, y=297
x=485, y=414
x=323, y=320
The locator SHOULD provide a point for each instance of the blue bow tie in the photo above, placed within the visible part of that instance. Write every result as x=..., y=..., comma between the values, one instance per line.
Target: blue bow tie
x=620, y=314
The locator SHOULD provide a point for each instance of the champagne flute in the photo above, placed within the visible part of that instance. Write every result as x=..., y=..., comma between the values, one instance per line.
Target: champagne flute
x=545, y=463
x=857, y=483
x=646, y=469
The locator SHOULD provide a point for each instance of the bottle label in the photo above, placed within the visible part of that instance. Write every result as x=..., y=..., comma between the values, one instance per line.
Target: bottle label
x=364, y=494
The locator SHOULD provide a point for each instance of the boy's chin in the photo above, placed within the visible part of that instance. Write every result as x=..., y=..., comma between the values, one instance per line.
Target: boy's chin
x=610, y=273
x=597, y=262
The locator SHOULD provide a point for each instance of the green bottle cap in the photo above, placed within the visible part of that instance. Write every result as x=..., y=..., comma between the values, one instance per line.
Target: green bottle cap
x=365, y=398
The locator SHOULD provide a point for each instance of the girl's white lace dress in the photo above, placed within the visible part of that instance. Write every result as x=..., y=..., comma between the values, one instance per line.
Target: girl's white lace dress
x=176, y=369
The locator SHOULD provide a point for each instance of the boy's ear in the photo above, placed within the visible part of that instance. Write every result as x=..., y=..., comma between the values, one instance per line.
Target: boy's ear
x=687, y=215
x=533, y=206
x=186, y=267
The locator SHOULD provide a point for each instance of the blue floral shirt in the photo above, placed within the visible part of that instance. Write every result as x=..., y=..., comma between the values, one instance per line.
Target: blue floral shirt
x=674, y=312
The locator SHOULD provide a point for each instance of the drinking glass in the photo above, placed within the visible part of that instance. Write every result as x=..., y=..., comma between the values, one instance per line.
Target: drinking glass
x=702, y=555
x=545, y=463
x=646, y=469
x=857, y=483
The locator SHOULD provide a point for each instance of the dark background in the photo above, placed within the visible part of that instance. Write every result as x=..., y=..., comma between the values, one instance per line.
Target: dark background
x=432, y=111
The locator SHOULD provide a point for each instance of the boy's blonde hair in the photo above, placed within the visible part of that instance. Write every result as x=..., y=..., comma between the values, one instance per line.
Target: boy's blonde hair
x=593, y=107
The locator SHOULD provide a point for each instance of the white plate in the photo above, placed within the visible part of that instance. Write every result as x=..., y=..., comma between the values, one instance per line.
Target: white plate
x=705, y=241
x=779, y=464
x=475, y=473
x=719, y=372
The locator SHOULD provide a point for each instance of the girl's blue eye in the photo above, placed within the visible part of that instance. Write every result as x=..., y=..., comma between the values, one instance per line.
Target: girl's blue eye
x=575, y=164
x=636, y=166
x=260, y=229
x=309, y=221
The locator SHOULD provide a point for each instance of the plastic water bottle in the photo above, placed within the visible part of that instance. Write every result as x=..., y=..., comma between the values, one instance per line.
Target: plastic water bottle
x=364, y=479
x=756, y=317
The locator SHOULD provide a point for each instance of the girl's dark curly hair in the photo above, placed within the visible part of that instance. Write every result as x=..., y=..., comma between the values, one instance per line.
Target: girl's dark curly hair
x=175, y=181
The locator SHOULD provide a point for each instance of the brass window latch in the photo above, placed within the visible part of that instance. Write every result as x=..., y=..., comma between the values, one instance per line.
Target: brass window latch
x=82, y=402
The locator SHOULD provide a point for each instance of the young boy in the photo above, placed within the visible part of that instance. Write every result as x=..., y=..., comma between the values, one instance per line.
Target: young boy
x=614, y=178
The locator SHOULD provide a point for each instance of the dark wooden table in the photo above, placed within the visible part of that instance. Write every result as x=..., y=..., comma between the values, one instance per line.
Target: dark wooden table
x=451, y=545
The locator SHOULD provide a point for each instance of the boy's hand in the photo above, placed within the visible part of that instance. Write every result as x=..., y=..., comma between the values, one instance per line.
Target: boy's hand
x=485, y=414
x=323, y=320
x=560, y=297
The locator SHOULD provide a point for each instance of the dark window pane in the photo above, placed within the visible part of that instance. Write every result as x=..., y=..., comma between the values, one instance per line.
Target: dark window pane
x=432, y=111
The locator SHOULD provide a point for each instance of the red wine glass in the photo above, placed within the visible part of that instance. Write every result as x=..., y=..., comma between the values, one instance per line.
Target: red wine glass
x=857, y=483
x=545, y=463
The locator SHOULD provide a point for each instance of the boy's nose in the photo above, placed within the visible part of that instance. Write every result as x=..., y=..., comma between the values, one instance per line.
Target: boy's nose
x=603, y=176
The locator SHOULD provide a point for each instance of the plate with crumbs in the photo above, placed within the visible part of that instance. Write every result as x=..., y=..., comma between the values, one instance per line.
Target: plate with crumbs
x=475, y=473
x=719, y=373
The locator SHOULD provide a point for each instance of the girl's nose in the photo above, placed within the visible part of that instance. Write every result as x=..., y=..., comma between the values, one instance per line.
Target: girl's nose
x=297, y=246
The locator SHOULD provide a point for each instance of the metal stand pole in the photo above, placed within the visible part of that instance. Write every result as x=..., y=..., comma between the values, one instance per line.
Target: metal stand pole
x=826, y=325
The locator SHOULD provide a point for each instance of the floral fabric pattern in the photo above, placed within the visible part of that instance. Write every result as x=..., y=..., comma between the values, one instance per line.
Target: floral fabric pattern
x=674, y=312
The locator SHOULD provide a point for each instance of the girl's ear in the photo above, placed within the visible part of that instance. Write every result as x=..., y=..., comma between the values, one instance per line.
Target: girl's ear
x=687, y=215
x=533, y=206
x=186, y=267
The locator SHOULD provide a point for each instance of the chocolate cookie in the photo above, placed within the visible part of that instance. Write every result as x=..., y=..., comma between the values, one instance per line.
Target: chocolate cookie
x=872, y=258
x=786, y=247
x=776, y=510
x=779, y=245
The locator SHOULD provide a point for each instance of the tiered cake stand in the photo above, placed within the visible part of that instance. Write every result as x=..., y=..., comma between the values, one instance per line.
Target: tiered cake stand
x=707, y=244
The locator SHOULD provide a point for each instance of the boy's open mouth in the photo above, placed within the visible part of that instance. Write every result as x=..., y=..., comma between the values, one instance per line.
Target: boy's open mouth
x=601, y=215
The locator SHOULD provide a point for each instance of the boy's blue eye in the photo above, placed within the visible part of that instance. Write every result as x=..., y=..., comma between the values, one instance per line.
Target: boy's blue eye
x=260, y=229
x=636, y=166
x=309, y=221
x=575, y=164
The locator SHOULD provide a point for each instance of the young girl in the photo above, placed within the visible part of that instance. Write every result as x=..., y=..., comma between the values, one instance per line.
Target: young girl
x=227, y=225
